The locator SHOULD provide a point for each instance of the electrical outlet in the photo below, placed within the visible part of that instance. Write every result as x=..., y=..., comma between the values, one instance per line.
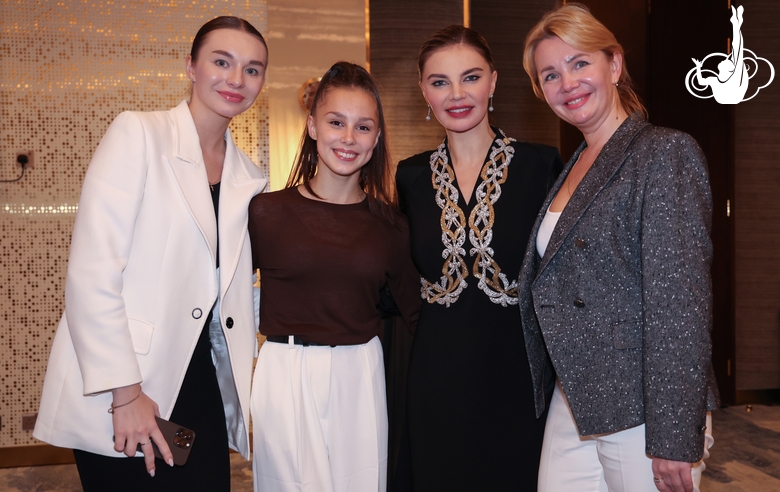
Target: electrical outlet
x=30, y=154
x=28, y=421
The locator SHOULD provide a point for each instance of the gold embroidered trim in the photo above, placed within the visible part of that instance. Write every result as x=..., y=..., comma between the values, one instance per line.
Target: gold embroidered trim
x=486, y=270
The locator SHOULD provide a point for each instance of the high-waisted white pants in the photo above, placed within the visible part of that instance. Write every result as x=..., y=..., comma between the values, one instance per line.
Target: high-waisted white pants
x=319, y=418
x=613, y=462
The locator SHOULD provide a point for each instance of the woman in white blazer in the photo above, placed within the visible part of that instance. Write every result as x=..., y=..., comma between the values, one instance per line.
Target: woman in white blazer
x=159, y=313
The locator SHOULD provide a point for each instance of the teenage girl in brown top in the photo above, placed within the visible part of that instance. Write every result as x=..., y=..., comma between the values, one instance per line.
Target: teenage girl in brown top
x=325, y=247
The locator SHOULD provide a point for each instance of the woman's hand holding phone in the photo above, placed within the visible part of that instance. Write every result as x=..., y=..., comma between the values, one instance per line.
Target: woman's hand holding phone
x=135, y=426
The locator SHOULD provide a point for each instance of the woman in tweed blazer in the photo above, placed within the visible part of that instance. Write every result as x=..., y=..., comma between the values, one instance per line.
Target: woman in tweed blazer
x=615, y=284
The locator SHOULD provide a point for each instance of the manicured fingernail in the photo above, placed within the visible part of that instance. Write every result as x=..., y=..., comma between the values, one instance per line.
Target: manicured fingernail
x=151, y=472
x=170, y=462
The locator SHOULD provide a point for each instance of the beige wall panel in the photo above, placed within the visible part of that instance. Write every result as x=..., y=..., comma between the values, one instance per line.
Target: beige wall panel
x=66, y=70
x=305, y=38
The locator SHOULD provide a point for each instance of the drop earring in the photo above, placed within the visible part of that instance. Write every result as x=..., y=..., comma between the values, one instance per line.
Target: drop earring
x=490, y=107
x=428, y=116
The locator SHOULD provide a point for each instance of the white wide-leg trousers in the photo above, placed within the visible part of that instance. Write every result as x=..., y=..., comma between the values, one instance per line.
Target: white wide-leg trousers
x=613, y=462
x=319, y=418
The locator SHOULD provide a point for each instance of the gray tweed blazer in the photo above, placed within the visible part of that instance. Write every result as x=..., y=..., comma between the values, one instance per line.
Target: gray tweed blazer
x=622, y=299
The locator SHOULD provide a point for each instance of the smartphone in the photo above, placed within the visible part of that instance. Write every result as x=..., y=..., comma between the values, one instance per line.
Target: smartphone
x=180, y=440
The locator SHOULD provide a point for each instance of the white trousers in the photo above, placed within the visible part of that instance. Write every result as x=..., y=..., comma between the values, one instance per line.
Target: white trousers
x=319, y=418
x=613, y=462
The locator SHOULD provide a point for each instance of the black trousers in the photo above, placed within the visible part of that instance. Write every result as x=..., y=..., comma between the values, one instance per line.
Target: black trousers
x=198, y=407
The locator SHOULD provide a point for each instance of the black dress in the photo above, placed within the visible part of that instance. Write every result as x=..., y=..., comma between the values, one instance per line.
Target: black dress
x=471, y=418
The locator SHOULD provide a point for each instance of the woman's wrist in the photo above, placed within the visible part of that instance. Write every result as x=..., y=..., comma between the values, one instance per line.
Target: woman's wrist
x=124, y=396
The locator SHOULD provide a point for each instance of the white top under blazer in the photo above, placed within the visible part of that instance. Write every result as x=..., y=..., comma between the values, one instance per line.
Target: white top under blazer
x=546, y=229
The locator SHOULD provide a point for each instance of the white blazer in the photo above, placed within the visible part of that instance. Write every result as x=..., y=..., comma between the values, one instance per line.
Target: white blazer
x=142, y=279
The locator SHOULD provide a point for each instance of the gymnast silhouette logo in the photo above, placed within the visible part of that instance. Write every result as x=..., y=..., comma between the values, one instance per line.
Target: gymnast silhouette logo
x=730, y=84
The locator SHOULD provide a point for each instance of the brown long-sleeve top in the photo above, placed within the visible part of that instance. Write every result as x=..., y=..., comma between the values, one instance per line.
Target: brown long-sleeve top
x=323, y=265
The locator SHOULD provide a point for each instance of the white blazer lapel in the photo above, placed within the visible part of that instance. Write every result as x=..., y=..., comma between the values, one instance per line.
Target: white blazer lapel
x=239, y=185
x=190, y=175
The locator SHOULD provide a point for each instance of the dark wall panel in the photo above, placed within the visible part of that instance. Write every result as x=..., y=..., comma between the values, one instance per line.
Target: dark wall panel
x=505, y=24
x=397, y=29
x=679, y=31
x=757, y=208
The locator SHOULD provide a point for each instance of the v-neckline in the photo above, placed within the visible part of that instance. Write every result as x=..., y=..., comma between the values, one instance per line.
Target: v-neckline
x=461, y=196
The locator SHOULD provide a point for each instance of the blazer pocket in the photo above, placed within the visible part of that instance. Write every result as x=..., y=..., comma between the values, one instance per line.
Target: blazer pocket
x=627, y=334
x=141, y=334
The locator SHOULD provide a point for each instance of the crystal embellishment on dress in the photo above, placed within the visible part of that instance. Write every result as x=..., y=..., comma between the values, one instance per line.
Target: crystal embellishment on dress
x=480, y=229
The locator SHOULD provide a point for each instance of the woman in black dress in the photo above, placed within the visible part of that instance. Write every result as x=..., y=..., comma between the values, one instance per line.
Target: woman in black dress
x=471, y=204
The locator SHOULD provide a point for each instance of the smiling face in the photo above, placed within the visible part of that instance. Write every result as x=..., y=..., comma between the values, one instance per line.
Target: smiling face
x=345, y=125
x=457, y=82
x=578, y=86
x=228, y=73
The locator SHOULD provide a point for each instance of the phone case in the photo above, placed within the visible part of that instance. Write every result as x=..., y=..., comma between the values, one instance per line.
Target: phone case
x=180, y=441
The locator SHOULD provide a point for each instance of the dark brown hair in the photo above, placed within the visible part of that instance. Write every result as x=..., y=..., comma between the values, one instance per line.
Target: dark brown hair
x=452, y=36
x=575, y=25
x=223, y=22
x=376, y=174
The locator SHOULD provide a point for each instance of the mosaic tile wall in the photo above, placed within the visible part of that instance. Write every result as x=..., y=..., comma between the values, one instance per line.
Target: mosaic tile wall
x=67, y=68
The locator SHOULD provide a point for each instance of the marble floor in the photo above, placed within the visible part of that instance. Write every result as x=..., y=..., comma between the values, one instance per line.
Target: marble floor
x=745, y=458
x=746, y=454
x=65, y=478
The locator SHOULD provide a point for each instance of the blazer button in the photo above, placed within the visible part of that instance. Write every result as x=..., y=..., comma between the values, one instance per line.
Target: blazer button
x=579, y=303
x=197, y=313
x=229, y=323
x=580, y=243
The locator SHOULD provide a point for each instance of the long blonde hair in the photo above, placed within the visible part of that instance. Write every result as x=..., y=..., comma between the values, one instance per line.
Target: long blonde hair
x=575, y=25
